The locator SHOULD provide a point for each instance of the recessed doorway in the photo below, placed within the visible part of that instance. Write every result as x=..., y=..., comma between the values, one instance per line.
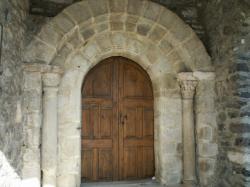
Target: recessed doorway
x=117, y=122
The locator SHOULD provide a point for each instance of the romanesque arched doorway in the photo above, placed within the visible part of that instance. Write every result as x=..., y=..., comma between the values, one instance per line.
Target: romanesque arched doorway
x=87, y=32
x=117, y=122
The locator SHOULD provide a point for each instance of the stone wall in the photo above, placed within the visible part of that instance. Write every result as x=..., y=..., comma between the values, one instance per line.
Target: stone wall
x=187, y=10
x=12, y=16
x=227, y=24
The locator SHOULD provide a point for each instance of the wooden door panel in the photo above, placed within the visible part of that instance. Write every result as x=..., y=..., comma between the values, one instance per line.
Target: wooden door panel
x=135, y=82
x=129, y=118
x=97, y=121
x=130, y=163
x=99, y=82
x=94, y=120
x=106, y=120
x=105, y=161
x=148, y=161
x=87, y=164
x=86, y=126
x=148, y=122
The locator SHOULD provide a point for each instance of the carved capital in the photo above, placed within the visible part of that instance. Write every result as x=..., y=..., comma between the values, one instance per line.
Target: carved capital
x=188, y=85
x=51, y=79
x=188, y=88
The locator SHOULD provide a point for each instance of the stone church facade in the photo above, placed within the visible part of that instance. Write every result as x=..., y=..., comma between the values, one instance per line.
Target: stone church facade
x=196, y=53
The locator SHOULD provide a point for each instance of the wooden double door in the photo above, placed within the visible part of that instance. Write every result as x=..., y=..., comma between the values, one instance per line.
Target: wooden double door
x=117, y=122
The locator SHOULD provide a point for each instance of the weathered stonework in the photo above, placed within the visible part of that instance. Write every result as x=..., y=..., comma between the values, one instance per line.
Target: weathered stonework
x=230, y=55
x=12, y=141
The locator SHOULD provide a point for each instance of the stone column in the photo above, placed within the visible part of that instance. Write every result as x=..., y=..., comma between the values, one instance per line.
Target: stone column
x=49, y=129
x=188, y=84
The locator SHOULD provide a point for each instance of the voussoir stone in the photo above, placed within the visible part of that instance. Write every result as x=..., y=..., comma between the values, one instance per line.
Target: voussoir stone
x=51, y=35
x=157, y=34
x=76, y=12
x=64, y=22
x=135, y=7
x=167, y=19
x=102, y=7
x=152, y=11
x=42, y=52
x=117, y=5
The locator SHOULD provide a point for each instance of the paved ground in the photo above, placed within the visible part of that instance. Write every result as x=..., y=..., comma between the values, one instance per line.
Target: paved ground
x=141, y=183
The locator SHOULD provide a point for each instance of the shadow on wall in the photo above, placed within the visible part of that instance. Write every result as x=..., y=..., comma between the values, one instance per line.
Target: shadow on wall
x=9, y=178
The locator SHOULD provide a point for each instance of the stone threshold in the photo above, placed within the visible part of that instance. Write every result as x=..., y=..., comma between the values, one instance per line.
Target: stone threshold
x=136, y=183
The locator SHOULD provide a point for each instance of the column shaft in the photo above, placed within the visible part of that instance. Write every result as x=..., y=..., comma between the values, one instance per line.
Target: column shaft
x=189, y=175
x=49, y=130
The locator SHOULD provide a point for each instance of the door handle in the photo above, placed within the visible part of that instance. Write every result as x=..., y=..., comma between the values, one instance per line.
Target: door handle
x=123, y=118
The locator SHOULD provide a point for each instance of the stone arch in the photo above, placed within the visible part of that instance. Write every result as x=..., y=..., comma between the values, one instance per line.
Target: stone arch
x=142, y=18
x=140, y=30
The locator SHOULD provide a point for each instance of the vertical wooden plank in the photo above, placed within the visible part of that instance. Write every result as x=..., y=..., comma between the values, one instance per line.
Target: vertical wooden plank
x=120, y=125
x=115, y=127
x=86, y=129
x=87, y=164
x=95, y=164
x=106, y=123
x=139, y=122
x=130, y=163
x=140, y=162
x=105, y=166
x=94, y=121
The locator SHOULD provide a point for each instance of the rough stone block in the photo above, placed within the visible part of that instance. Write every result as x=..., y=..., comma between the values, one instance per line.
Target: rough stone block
x=64, y=22
x=76, y=12
x=102, y=27
x=33, y=137
x=67, y=180
x=31, y=155
x=206, y=133
x=180, y=30
x=116, y=26
x=69, y=146
x=32, y=100
x=102, y=18
x=166, y=46
x=166, y=19
x=50, y=35
x=143, y=29
x=118, y=40
x=135, y=7
x=117, y=5
x=238, y=157
x=87, y=33
x=152, y=11
x=102, y=7
x=135, y=46
x=204, y=104
x=208, y=149
x=62, y=55
x=91, y=50
x=32, y=80
x=130, y=27
x=157, y=34
x=199, y=59
x=42, y=52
